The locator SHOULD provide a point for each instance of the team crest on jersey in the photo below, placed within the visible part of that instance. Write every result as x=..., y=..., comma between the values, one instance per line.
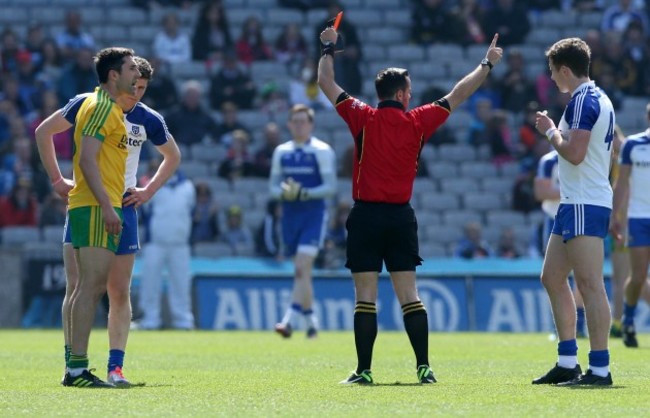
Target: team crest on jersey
x=135, y=129
x=357, y=104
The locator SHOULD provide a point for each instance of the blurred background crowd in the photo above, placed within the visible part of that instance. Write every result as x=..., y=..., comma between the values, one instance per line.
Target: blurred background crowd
x=227, y=71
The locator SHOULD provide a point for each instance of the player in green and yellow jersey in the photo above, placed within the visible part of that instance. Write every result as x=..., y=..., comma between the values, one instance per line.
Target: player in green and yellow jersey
x=95, y=201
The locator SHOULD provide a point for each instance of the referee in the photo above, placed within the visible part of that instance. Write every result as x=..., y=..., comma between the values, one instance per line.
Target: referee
x=382, y=227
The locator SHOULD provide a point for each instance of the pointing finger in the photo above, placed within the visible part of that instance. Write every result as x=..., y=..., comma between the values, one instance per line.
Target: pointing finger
x=494, y=40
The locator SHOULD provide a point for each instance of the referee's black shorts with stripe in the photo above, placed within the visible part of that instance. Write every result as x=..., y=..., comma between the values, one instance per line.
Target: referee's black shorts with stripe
x=382, y=233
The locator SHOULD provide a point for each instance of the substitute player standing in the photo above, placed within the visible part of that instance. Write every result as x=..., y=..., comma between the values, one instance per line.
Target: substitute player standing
x=303, y=176
x=583, y=142
x=631, y=190
x=142, y=124
x=382, y=227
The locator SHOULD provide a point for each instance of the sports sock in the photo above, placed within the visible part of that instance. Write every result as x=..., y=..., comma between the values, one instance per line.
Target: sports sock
x=628, y=314
x=417, y=328
x=567, y=354
x=580, y=320
x=599, y=362
x=295, y=308
x=115, y=359
x=68, y=349
x=77, y=364
x=310, y=318
x=365, y=333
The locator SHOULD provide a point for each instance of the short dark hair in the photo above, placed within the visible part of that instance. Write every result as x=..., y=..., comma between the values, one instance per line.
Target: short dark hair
x=573, y=53
x=145, y=68
x=389, y=81
x=302, y=108
x=110, y=59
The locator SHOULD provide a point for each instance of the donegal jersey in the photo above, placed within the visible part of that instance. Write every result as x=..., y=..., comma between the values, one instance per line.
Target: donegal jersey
x=587, y=183
x=101, y=118
x=636, y=153
x=547, y=169
x=142, y=124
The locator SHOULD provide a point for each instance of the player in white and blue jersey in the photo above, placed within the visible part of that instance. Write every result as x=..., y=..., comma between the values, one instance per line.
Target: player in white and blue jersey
x=583, y=141
x=303, y=176
x=142, y=123
x=631, y=190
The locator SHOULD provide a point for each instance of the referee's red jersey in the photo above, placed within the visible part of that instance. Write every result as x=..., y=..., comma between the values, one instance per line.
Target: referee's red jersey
x=388, y=142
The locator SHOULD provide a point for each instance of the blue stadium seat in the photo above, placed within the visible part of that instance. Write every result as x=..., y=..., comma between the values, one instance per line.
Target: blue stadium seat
x=438, y=201
x=314, y=17
x=456, y=152
x=384, y=35
x=459, y=185
x=505, y=218
x=432, y=249
x=483, y=201
x=127, y=16
x=478, y=169
x=497, y=185
x=207, y=153
x=460, y=218
x=406, y=53
x=445, y=53
x=442, y=169
x=558, y=19
x=398, y=18
x=53, y=233
x=44, y=15
x=211, y=250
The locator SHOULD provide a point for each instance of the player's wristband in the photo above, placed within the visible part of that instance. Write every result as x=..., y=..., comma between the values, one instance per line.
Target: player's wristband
x=550, y=132
x=60, y=179
x=327, y=49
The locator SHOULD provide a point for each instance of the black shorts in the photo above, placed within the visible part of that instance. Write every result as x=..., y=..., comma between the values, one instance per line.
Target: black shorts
x=382, y=233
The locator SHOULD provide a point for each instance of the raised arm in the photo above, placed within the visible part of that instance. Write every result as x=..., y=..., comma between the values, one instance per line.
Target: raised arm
x=51, y=126
x=326, y=66
x=472, y=81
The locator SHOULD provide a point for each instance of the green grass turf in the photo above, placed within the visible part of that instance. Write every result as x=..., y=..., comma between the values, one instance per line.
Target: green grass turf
x=260, y=374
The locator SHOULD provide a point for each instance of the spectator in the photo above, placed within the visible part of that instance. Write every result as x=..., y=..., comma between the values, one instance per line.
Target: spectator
x=34, y=43
x=488, y=91
x=305, y=90
x=28, y=86
x=73, y=38
x=251, y=45
x=607, y=82
x=509, y=20
x=264, y=155
x=516, y=89
x=62, y=140
x=189, y=122
x=478, y=129
x=9, y=49
x=11, y=92
x=432, y=23
x=636, y=47
x=23, y=163
x=472, y=244
x=157, y=4
x=169, y=228
x=205, y=216
x=273, y=101
x=291, y=48
x=471, y=16
x=78, y=77
x=346, y=65
x=507, y=247
x=618, y=17
x=615, y=61
x=237, y=234
x=19, y=208
x=212, y=33
x=53, y=211
x=528, y=134
x=171, y=45
x=500, y=137
x=238, y=163
x=50, y=67
x=231, y=84
x=523, y=192
x=161, y=90
x=268, y=239
x=229, y=123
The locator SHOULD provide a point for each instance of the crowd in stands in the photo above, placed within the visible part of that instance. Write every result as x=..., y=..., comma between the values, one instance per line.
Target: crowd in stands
x=42, y=68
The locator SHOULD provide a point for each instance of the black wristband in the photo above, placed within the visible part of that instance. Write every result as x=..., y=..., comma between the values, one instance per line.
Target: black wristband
x=327, y=49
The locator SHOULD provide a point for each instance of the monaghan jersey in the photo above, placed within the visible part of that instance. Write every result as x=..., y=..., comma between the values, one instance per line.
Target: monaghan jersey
x=636, y=153
x=100, y=117
x=142, y=124
x=587, y=183
x=309, y=164
x=547, y=168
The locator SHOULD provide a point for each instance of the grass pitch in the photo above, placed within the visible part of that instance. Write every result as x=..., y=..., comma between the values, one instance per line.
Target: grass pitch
x=235, y=374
